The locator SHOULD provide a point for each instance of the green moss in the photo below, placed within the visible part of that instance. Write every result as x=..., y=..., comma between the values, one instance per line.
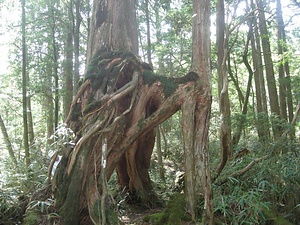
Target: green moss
x=191, y=76
x=172, y=215
x=31, y=217
x=127, y=54
x=155, y=218
x=169, y=84
x=70, y=208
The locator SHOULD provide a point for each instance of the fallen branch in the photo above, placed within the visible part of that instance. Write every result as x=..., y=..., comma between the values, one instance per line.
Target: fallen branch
x=243, y=171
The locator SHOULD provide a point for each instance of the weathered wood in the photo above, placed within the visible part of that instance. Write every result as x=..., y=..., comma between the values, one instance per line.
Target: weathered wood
x=123, y=108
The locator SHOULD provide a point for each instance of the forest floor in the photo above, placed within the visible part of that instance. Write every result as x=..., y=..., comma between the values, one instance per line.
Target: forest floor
x=135, y=215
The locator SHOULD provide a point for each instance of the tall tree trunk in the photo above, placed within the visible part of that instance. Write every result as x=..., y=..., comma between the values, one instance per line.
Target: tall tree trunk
x=196, y=115
x=224, y=105
x=24, y=87
x=55, y=75
x=48, y=107
x=148, y=33
x=285, y=90
x=8, y=144
x=282, y=85
x=261, y=99
x=235, y=81
x=158, y=34
x=56, y=81
x=159, y=155
x=78, y=20
x=30, y=120
x=273, y=96
x=68, y=67
x=242, y=120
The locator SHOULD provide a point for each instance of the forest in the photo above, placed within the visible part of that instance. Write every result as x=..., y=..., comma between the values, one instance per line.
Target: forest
x=149, y=112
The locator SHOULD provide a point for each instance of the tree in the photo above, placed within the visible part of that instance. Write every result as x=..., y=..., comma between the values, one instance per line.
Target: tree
x=261, y=99
x=116, y=110
x=197, y=109
x=68, y=67
x=224, y=105
x=267, y=55
x=8, y=144
x=285, y=90
x=24, y=87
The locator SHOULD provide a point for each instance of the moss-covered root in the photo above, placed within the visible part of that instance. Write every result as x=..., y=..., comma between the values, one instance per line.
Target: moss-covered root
x=174, y=214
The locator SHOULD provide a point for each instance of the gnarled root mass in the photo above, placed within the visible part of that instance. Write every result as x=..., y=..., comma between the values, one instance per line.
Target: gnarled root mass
x=113, y=116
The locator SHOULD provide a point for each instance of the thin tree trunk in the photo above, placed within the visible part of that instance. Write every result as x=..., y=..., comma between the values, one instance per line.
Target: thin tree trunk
x=285, y=90
x=158, y=34
x=8, y=144
x=78, y=20
x=224, y=105
x=30, y=121
x=241, y=122
x=148, y=33
x=235, y=81
x=273, y=96
x=282, y=85
x=24, y=87
x=162, y=132
x=68, y=68
x=159, y=155
x=262, y=110
x=56, y=86
x=55, y=65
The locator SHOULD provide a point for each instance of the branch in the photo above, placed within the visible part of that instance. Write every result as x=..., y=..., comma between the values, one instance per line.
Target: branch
x=243, y=171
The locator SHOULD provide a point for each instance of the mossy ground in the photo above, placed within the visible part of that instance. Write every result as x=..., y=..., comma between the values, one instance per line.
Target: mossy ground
x=174, y=214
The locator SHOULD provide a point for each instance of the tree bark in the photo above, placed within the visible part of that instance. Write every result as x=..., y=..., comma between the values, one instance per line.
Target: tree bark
x=68, y=67
x=77, y=24
x=120, y=103
x=159, y=155
x=273, y=96
x=113, y=27
x=149, y=48
x=224, y=104
x=24, y=87
x=8, y=144
x=241, y=122
x=285, y=94
x=282, y=86
x=261, y=99
x=201, y=102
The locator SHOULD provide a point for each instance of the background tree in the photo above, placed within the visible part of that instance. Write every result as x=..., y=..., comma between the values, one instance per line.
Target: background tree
x=24, y=87
x=269, y=69
x=222, y=52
